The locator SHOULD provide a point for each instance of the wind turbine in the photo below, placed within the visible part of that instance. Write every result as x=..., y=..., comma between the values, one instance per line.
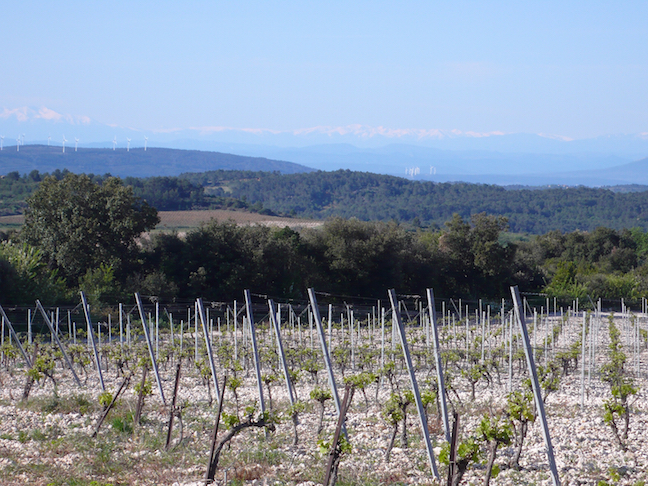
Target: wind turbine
x=1, y=140
x=23, y=139
x=114, y=142
x=48, y=140
x=64, y=140
x=128, y=145
x=18, y=144
x=145, y=140
x=76, y=143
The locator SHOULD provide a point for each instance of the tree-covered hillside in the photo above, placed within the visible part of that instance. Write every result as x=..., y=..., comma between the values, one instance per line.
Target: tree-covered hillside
x=163, y=193
x=370, y=197
x=374, y=197
x=135, y=162
x=84, y=234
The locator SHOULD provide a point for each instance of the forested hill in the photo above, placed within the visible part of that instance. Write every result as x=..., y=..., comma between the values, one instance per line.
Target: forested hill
x=368, y=196
x=135, y=162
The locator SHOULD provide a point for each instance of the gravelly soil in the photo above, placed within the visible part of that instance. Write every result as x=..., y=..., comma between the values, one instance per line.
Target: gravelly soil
x=47, y=440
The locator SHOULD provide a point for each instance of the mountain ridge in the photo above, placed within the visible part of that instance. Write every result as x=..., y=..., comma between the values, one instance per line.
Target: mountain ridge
x=135, y=162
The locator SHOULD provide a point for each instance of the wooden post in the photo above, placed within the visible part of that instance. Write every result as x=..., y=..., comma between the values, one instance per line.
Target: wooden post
x=335, y=452
x=453, y=449
x=173, y=406
x=109, y=407
x=211, y=466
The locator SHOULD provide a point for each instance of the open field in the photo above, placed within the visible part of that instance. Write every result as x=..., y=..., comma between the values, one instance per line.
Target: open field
x=14, y=221
x=47, y=439
x=187, y=220
x=193, y=219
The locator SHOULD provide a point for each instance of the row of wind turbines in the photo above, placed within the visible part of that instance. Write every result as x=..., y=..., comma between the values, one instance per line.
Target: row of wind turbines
x=21, y=141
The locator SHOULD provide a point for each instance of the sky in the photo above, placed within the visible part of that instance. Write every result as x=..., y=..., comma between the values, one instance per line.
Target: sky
x=573, y=69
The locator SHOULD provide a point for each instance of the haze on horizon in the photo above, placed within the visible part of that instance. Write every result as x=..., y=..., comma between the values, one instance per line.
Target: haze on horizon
x=575, y=70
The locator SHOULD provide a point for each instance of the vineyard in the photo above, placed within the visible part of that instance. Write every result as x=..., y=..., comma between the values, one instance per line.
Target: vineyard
x=406, y=390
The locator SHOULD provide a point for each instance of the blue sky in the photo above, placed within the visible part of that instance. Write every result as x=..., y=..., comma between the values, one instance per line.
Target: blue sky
x=575, y=69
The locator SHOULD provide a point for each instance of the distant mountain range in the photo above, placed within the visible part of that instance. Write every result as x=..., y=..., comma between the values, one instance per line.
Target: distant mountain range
x=136, y=162
x=436, y=155
x=450, y=166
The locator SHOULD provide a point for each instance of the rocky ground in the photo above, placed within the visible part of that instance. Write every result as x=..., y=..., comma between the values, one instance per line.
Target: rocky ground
x=47, y=440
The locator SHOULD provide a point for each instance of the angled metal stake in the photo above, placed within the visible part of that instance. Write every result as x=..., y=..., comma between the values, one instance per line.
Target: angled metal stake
x=282, y=355
x=437, y=359
x=140, y=307
x=210, y=354
x=537, y=392
x=415, y=389
x=255, y=350
x=86, y=311
x=327, y=358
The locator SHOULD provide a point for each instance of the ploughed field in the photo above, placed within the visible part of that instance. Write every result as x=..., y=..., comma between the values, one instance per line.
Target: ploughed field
x=48, y=437
x=187, y=220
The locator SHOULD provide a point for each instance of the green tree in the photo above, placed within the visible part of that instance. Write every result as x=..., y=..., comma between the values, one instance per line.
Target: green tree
x=24, y=276
x=565, y=284
x=79, y=225
x=475, y=261
x=100, y=286
x=358, y=258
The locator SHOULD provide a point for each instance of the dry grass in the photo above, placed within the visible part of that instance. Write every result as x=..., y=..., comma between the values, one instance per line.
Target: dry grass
x=13, y=219
x=193, y=219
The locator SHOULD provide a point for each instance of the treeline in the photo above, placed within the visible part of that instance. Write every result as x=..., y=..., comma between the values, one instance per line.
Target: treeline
x=84, y=234
x=369, y=197
x=348, y=258
x=15, y=189
x=372, y=197
x=467, y=259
